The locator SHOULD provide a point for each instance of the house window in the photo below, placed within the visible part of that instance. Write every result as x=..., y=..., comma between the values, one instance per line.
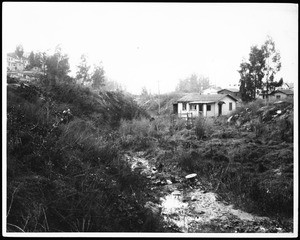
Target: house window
x=200, y=107
x=193, y=107
x=277, y=96
x=184, y=106
x=230, y=106
x=208, y=107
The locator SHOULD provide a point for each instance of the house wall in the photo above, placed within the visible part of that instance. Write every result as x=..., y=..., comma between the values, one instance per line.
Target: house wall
x=214, y=112
x=279, y=95
x=225, y=107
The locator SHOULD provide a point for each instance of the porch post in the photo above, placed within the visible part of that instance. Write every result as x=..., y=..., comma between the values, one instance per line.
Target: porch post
x=204, y=109
x=197, y=109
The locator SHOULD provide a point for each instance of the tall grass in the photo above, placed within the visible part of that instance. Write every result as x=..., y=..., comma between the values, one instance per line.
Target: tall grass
x=69, y=175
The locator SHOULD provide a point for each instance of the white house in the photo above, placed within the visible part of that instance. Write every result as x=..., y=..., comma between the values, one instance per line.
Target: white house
x=15, y=63
x=207, y=105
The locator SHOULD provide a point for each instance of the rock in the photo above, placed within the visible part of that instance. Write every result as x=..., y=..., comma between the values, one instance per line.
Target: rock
x=169, y=182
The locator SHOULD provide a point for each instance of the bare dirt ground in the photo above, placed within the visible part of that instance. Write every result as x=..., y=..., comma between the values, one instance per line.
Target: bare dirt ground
x=187, y=206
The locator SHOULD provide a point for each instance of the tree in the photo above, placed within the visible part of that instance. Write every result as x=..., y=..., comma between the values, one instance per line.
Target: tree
x=258, y=73
x=98, y=77
x=144, y=92
x=31, y=60
x=19, y=51
x=272, y=65
x=57, y=66
x=193, y=83
x=246, y=84
x=83, y=70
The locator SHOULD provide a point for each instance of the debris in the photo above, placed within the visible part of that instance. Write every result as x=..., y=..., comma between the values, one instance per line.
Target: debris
x=229, y=119
x=190, y=176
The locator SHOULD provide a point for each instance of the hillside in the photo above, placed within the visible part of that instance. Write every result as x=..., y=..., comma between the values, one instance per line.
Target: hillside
x=64, y=171
x=152, y=103
x=93, y=161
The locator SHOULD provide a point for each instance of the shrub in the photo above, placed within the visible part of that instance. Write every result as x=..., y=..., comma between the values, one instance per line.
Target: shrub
x=202, y=127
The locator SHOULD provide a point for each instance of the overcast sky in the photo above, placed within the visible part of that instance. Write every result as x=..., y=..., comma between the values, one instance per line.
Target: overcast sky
x=153, y=45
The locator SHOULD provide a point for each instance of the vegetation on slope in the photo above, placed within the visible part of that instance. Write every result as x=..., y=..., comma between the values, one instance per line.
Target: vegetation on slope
x=64, y=168
x=247, y=160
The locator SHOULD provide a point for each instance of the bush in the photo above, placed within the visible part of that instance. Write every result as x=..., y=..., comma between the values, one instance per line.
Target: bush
x=202, y=127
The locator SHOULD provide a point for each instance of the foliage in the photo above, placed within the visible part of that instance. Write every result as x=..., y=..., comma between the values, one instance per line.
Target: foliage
x=35, y=60
x=65, y=173
x=19, y=50
x=82, y=73
x=272, y=66
x=57, y=66
x=257, y=75
x=98, y=77
x=193, y=83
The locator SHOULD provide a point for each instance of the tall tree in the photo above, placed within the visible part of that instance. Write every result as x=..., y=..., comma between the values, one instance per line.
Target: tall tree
x=258, y=73
x=19, y=51
x=272, y=65
x=82, y=73
x=98, y=77
x=247, y=88
x=57, y=66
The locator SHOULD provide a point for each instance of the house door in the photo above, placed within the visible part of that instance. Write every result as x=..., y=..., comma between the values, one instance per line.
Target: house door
x=220, y=109
x=175, y=108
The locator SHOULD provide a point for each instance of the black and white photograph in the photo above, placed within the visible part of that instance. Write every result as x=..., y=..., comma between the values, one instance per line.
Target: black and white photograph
x=150, y=119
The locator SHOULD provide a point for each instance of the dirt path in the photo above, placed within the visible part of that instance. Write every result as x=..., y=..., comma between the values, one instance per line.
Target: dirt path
x=186, y=206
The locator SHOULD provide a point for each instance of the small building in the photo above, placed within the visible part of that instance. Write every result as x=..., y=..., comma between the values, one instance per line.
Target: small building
x=207, y=105
x=281, y=94
x=235, y=92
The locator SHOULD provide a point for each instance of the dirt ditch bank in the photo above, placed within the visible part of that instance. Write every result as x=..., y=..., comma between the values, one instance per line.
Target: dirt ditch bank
x=187, y=206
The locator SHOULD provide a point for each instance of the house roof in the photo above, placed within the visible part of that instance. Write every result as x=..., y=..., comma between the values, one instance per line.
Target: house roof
x=285, y=91
x=230, y=89
x=204, y=98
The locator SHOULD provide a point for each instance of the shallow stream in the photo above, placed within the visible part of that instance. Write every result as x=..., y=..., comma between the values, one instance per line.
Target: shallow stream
x=186, y=205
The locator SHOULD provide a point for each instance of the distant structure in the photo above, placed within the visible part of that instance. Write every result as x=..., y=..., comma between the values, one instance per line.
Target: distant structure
x=281, y=94
x=16, y=67
x=235, y=92
x=15, y=63
x=210, y=105
x=211, y=90
x=284, y=91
